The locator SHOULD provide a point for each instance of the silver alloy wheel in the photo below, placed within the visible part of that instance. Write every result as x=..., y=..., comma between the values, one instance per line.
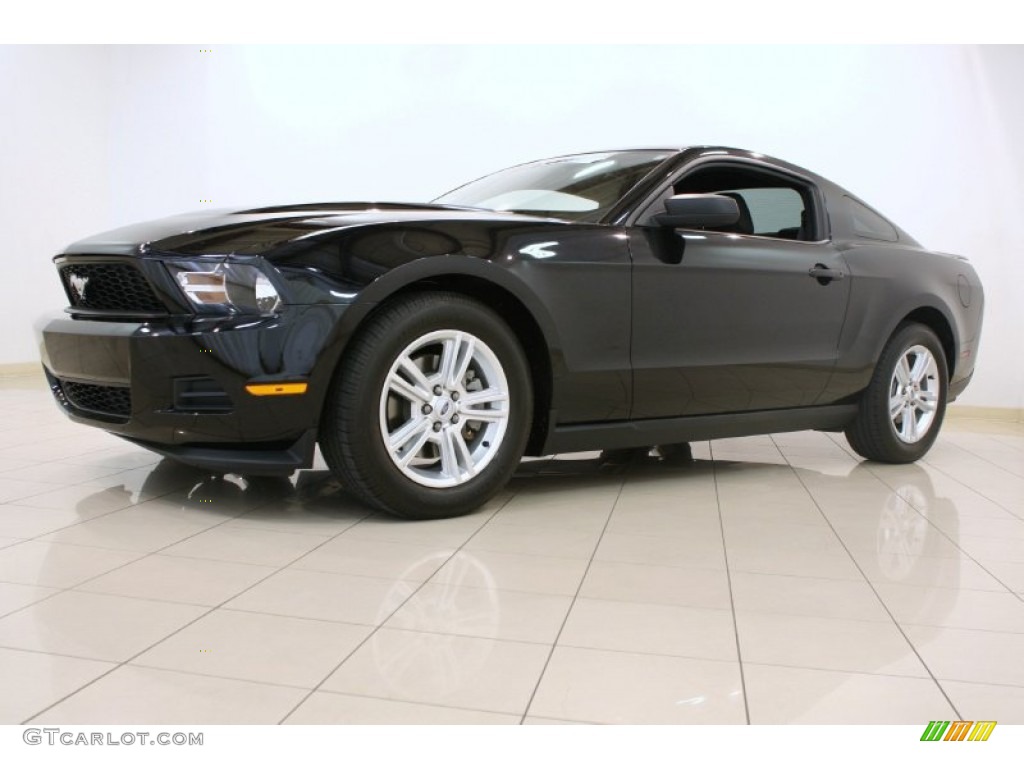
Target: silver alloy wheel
x=444, y=408
x=914, y=394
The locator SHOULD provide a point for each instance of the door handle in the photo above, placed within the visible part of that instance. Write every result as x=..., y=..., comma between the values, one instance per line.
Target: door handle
x=825, y=275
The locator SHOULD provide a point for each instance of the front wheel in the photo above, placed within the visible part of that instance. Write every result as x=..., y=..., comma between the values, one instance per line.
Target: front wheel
x=429, y=414
x=902, y=409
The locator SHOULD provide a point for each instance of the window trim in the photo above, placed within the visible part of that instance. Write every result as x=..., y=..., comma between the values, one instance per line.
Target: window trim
x=821, y=222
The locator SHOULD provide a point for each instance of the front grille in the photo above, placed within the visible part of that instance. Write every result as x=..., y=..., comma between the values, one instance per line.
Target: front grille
x=112, y=287
x=109, y=401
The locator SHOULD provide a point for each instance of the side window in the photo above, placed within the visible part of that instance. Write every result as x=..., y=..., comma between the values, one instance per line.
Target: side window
x=771, y=204
x=867, y=223
x=773, y=211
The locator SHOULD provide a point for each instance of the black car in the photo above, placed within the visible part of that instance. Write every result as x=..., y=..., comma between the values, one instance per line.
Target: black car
x=594, y=301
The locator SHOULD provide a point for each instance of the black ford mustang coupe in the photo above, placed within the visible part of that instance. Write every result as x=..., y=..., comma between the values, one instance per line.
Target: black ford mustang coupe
x=593, y=301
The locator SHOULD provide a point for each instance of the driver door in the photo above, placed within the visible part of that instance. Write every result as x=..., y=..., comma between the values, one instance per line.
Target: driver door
x=736, y=319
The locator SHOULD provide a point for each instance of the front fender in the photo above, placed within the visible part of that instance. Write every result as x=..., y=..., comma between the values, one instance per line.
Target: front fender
x=426, y=270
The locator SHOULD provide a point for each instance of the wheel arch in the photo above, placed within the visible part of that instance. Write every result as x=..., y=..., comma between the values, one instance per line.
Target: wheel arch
x=937, y=321
x=494, y=287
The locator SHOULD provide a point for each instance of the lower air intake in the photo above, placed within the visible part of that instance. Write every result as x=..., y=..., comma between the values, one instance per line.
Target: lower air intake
x=95, y=398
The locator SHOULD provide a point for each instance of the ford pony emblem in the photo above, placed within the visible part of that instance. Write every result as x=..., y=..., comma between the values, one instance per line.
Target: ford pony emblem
x=78, y=283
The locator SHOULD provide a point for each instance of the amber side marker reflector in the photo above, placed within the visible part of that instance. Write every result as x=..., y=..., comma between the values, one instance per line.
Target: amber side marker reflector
x=276, y=389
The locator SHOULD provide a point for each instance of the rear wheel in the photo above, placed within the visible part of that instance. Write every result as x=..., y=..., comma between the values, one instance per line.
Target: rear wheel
x=429, y=413
x=903, y=407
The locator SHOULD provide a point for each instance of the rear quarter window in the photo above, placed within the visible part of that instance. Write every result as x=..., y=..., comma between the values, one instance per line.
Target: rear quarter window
x=867, y=223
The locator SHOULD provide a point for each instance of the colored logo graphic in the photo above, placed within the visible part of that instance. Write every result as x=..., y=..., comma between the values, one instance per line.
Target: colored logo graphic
x=958, y=730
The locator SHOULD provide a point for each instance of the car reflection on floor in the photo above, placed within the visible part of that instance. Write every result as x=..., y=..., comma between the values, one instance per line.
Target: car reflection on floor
x=450, y=609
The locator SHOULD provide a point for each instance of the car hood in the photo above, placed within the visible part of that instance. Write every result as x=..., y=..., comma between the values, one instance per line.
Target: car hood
x=263, y=230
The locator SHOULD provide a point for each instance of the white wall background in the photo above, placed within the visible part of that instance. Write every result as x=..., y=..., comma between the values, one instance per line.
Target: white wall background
x=96, y=137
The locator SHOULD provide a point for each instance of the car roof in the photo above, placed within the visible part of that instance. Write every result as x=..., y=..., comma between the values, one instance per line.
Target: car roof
x=694, y=151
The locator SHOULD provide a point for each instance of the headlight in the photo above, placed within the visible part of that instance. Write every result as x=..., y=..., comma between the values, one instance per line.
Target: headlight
x=224, y=287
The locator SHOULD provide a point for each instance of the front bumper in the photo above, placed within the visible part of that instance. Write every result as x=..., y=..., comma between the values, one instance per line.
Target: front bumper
x=180, y=388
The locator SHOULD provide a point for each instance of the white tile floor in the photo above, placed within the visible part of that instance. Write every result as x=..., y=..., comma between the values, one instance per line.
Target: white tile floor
x=775, y=579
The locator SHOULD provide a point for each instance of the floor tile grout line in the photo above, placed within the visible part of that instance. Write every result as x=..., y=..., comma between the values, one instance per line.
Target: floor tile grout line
x=319, y=689
x=966, y=555
x=995, y=436
x=80, y=586
x=612, y=651
x=136, y=665
x=961, y=483
x=979, y=457
x=38, y=537
x=188, y=624
x=62, y=590
x=728, y=577
x=872, y=587
x=880, y=621
x=158, y=668
x=304, y=688
x=58, y=485
x=875, y=475
x=1011, y=686
x=386, y=619
x=79, y=522
x=141, y=556
x=427, y=582
x=53, y=653
x=861, y=672
x=413, y=703
x=75, y=485
x=310, y=691
x=575, y=597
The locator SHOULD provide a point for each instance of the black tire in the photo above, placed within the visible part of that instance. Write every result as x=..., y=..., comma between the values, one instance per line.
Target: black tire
x=874, y=434
x=676, y=453
x=360, y=405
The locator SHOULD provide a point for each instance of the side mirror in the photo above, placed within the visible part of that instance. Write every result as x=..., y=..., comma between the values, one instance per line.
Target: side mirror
x=688, y=211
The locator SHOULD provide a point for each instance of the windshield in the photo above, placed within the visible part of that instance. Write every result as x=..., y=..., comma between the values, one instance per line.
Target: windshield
x=578, y=187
